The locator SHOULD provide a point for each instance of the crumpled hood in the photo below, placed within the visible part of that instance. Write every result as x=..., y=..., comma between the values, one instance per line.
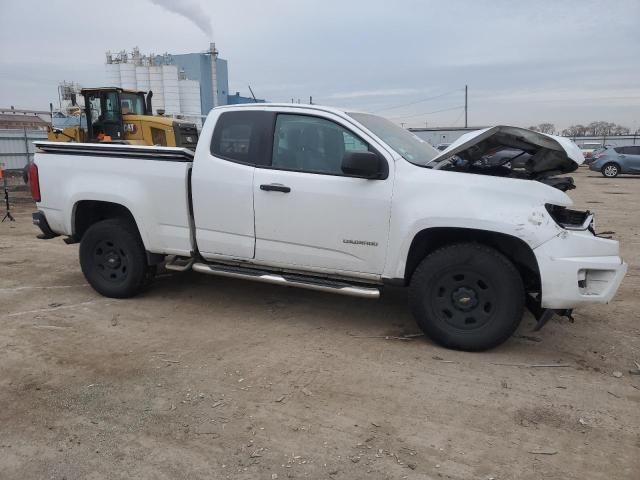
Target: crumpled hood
x=550, y=153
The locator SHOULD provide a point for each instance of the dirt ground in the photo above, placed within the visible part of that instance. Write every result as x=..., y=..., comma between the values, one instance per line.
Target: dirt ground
x=205, y=377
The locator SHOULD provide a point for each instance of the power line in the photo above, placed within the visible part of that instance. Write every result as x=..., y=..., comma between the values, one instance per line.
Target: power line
x=428, y=113
x=458, y=119
x=417, y=101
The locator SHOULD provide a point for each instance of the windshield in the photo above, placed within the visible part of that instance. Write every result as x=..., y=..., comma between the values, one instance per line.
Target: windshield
x=405, y=143
x=132, y=104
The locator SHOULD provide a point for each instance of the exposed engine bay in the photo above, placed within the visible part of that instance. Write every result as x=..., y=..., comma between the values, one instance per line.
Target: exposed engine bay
x=513, y=152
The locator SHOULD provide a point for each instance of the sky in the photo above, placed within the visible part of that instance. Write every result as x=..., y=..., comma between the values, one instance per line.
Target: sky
x=525, y=62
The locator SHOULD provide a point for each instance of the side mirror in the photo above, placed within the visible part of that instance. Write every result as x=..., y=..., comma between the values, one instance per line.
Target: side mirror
x=362, y=164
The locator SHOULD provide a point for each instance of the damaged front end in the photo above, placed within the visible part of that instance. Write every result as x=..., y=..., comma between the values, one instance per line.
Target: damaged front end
x=571, y=219
x=513, y=152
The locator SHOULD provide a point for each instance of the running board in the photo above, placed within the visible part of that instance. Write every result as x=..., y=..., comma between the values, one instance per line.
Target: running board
x=179, y=264
x=289, y=280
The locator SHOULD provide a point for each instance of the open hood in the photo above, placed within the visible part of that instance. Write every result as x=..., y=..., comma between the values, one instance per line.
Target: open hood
x=550, y=154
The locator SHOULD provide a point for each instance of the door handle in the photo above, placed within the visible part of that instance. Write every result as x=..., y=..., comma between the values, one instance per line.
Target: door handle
x=275, y=187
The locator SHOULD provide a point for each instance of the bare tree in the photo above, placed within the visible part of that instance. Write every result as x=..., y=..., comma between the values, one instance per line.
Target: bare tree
x=546, y=128
x=543, y=128
x=620, y=130
x=596, y=129
x=575, y=131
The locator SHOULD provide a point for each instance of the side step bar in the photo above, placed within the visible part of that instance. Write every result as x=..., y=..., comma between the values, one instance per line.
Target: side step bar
x=179, y=264
x=290, y=280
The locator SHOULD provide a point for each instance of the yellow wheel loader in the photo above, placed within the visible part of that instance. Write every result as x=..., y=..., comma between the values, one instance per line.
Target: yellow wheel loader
x=125, y=116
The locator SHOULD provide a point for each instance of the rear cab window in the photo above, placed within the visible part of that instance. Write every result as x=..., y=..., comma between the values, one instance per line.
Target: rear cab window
x=243, y=137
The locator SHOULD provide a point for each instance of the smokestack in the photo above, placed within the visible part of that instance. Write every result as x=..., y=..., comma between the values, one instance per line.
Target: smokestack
x=214, y=73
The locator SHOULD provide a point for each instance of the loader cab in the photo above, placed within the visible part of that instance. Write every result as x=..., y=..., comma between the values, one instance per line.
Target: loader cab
x=105, y=108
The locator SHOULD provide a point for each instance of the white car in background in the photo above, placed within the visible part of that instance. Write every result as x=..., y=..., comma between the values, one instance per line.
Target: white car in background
x=588, y=148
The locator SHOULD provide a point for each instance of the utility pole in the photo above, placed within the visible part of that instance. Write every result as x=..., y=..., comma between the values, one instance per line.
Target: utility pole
x=466, y=106
x=310, y=100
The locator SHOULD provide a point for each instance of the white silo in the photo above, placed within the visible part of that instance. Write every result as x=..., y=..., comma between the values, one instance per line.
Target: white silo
x=189, y=97
x=190, y=100
x=112, y=74
x=156, y=86
x=171, y=91
x=142, y=78
x=128, y=76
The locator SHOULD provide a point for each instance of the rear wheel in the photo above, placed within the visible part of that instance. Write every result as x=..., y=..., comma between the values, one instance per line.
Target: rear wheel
x=113, y=258
x=467, y=296
x=610, y=170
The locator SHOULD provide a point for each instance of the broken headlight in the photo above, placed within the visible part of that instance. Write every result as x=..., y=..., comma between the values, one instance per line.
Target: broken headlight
x=571, y=219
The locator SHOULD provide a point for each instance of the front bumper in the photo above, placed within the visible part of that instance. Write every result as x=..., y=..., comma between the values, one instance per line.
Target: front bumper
x=577, y=268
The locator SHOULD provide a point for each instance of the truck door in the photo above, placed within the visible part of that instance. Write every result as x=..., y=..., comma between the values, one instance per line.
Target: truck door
x=309, y=214
x=222, y=182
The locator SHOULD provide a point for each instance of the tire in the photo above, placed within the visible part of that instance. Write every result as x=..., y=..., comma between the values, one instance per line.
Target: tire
x=113, y=258
x=467, y=296
x=610, y=170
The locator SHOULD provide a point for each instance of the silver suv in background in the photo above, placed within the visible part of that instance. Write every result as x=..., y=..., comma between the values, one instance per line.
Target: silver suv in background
x=612, y=161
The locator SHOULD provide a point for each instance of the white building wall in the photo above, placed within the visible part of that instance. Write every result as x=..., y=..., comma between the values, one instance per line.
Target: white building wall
x=189, y=96
x=156, y=85
x=142, y=78
x=113, y=74
x=128, y=76
x=171, y=90
x=190, y=101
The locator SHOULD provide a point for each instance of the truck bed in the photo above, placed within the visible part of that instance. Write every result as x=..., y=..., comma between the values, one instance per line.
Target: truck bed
x=153, y=179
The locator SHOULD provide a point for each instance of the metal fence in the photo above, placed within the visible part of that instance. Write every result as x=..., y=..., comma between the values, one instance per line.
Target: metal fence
x=16, y=147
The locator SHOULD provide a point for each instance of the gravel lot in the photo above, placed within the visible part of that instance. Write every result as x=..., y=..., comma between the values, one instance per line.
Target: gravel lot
x=205, y=377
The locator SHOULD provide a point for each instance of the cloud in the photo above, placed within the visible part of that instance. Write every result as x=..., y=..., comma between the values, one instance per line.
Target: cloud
x=190, y=10
x=373, y=93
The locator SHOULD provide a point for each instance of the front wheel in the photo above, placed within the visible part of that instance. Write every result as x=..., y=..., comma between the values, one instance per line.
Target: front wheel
x=113, y=258
x=467, y=296
x=610, y=170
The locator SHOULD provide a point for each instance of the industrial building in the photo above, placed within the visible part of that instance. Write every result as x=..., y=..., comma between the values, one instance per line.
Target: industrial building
x=20, y=118
x=187, y=85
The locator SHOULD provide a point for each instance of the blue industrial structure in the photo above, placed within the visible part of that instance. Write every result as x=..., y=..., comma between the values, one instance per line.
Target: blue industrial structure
x=238, y=99
x=197, y=66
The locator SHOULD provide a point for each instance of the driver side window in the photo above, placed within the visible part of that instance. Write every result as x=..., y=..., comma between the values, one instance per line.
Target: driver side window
x=312, y=144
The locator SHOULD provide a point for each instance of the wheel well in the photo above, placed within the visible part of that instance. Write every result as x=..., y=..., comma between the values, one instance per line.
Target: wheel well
x=89, y=212
x=511, y=247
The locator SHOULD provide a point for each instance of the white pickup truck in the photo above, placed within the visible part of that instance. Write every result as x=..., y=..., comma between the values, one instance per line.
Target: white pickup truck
x=340, y=202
